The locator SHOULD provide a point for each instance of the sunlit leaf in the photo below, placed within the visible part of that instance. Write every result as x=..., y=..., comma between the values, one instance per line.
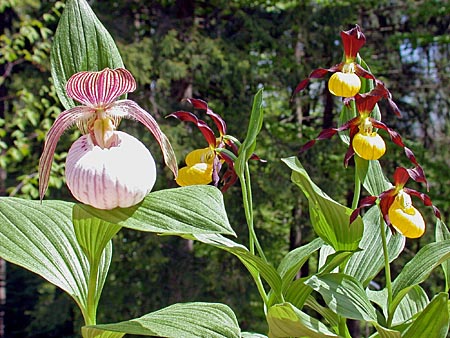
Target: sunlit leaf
x=344, y=295
x=197, y=209
x=285, y=320
x=383, y=332
x=442, y=234
x=419, y=268
x=367, y=263
x=433, y=321
x=330, y=220
x=81, y=43
x=255, y=265
x=40, y=237
x=89, y=332
x=187, y=320
x=372, y=176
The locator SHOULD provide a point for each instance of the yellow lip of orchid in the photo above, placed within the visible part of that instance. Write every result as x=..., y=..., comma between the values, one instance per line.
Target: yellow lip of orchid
x=367, y=143
x=405, y=218
x=197, y=174
x=345, y=83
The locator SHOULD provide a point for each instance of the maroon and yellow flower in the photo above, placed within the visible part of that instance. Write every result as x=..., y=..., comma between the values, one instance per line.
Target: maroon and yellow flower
x=345, y=80
x=396, y=205
x=203, y=165
x=364, y=139
x=105, y=168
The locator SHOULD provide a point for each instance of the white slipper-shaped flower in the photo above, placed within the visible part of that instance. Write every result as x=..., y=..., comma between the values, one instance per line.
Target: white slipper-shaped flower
x=105, y=168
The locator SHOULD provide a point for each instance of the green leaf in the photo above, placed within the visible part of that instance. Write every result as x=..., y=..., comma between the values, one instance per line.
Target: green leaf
x=182, y=320
x=371, y=176
x=414, y=302
x=248, y=146
x=433, y=321
x=330, y=220
x=89, y=332
x=367, y=263
x=254, y=264
x=298, y=292
x=93, y=235
x=344, y=295
x=252, y=335
x=294, y=260
x=419, y=268
x=285, y=320
x=197, y=209
x=40, y=237
x=81, y=43
x=442, y=234
x=383, y=332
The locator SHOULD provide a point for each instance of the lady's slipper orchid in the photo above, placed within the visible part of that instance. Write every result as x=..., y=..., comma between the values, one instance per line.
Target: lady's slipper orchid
x=203, y=165
x=345, y=81
x=105, y=168
x=364, y=140
x=396, y=205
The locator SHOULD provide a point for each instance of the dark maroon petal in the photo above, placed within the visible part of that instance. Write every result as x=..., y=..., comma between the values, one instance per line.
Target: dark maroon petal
x=401, y=176
x=352, y=40
x=198, y=104
x=363, y=203
x=99, y=89
x=425, y=199
x=386, y=200
x=315, y=74
x=366, y=102
x=395, y=137
x=360, y=71
x=418, y=175
x=204, y=128
x=348, y=155
x=219, y=121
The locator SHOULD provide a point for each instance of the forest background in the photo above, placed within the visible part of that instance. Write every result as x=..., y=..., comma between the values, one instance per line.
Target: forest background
x=222, y=52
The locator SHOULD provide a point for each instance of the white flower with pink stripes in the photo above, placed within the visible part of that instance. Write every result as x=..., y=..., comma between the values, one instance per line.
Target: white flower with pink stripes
x=105, y=168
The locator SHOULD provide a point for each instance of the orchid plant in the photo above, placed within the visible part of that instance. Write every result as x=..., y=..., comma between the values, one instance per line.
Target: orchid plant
x=111, y=175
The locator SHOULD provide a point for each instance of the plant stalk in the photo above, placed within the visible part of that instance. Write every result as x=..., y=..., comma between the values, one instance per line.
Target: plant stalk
x=387, y=268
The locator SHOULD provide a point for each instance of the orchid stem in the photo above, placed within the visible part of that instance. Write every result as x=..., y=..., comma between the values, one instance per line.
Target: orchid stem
x=253, y=239
x=91, y=315
x=387, y=267
x=357, y=191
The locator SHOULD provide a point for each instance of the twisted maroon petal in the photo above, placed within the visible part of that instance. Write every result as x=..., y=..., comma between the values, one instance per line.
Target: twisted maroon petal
x=425, y=199
x=352, y=40
x=99, y=89
x=316, y=74
x=202, y=126
x=363, y=203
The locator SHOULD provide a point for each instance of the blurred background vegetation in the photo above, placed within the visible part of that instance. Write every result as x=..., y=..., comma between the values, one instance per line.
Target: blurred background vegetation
x=222, y=52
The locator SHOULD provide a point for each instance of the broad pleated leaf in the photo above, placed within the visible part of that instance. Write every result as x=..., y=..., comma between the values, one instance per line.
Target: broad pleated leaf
x=433, y=321
x=255, y=265
x=249, y=144
x=252, y=335
x=40, y=237
x=442, y=234
x=294, y=260
x=187, y=320
x=89, y=332
x=372, y=176
x=93, y=235
x=414, y=302
x=195, y=209
x=383, y=332
x=81, y=43
x=298, y=292
x=331, y=317
x=285, y=320
x=330, y=220
x=367, y=263
x=344, y=295
x=419, y=268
